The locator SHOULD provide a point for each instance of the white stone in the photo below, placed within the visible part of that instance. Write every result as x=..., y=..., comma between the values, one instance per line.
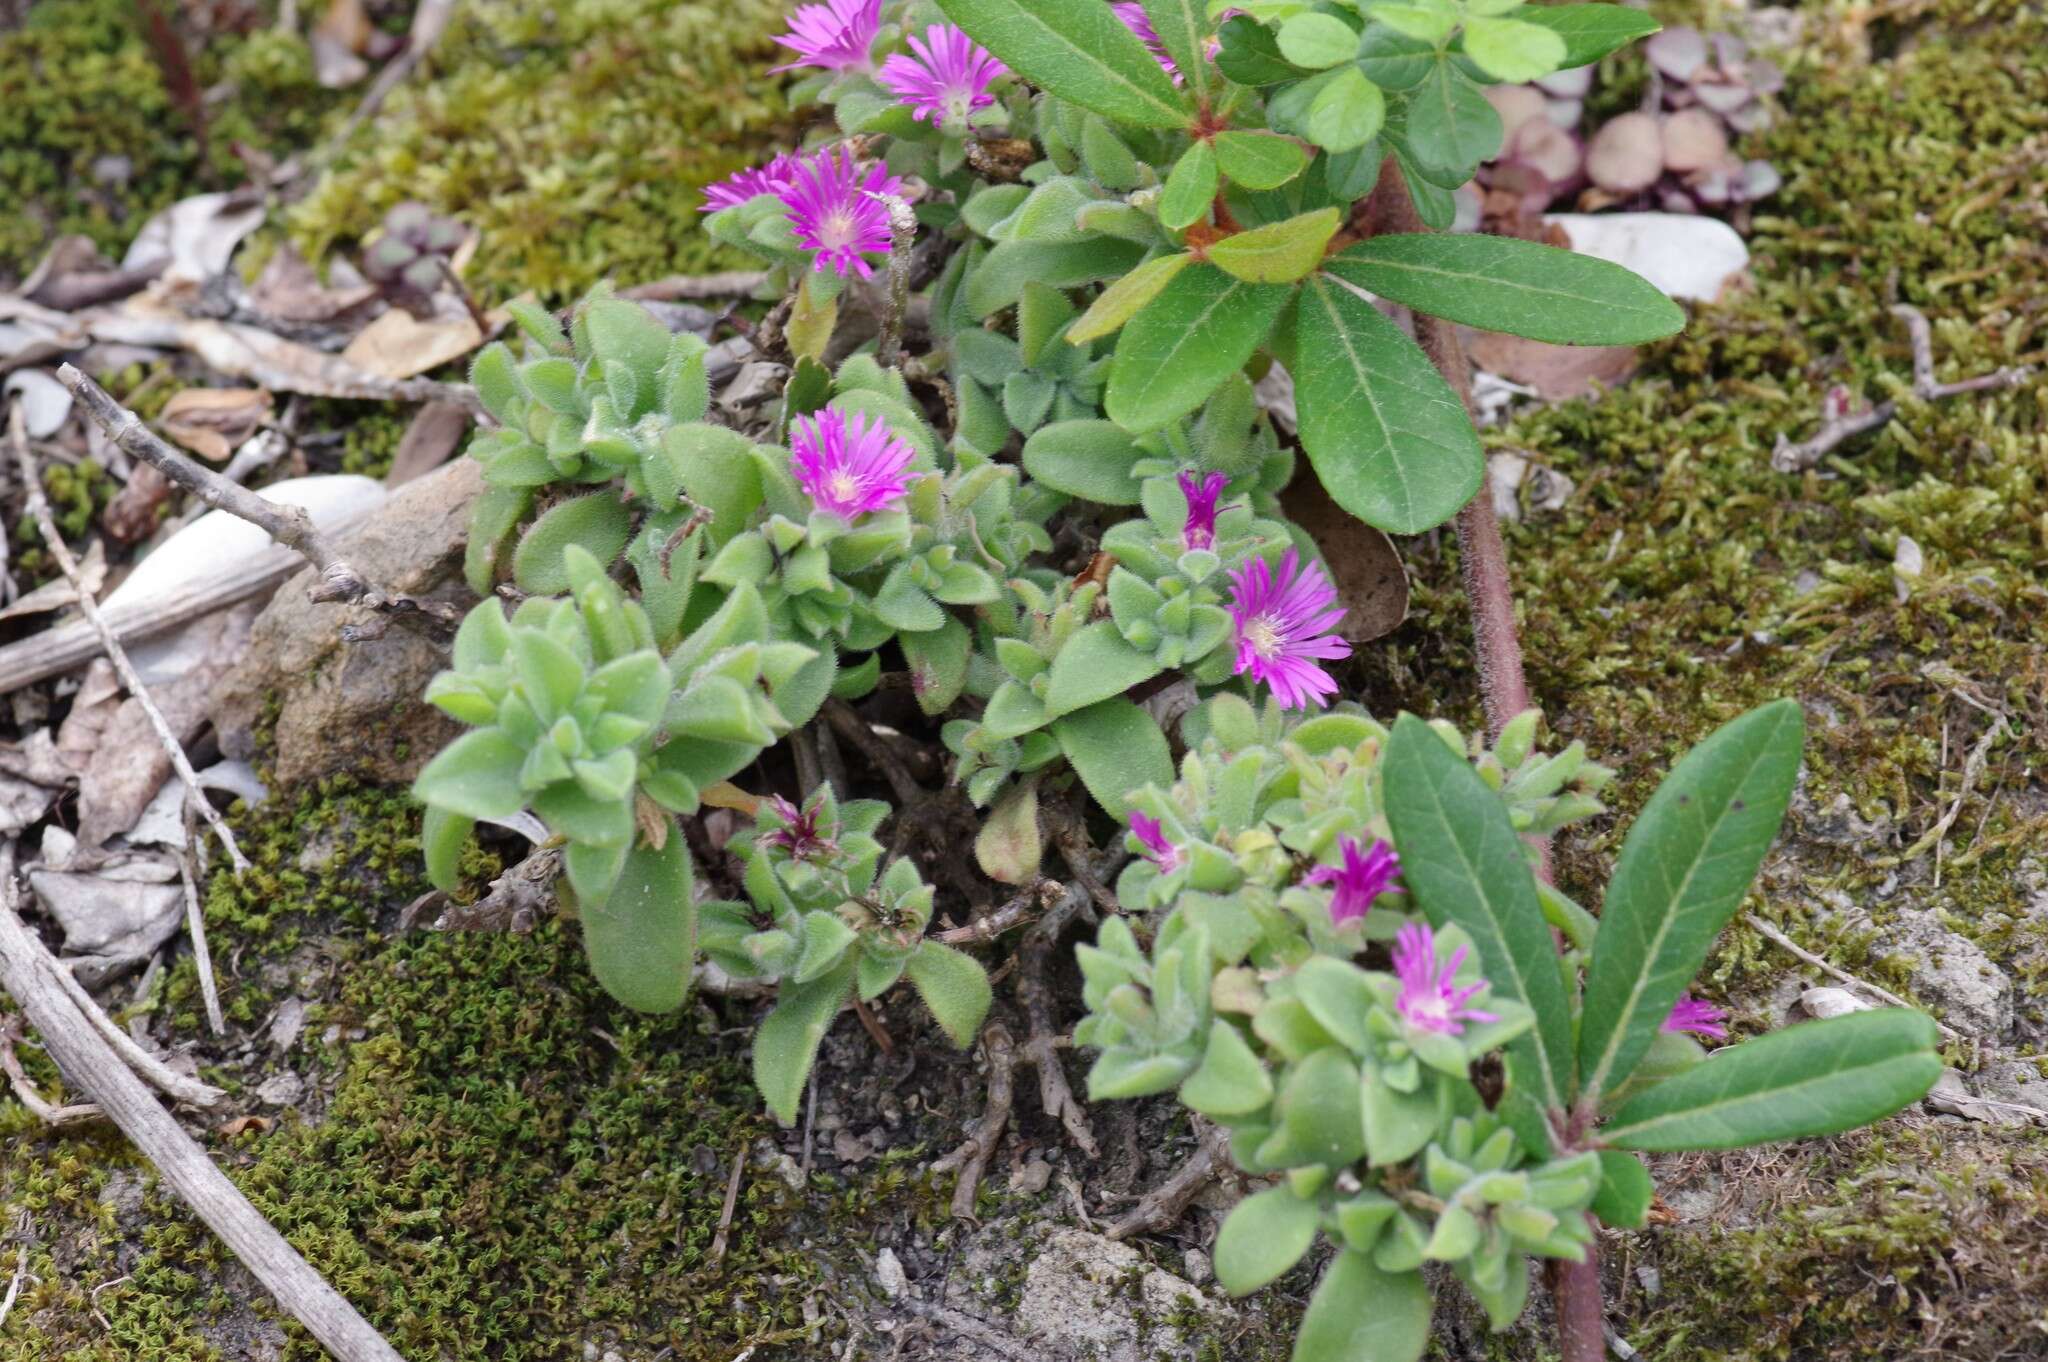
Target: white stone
x=1687, y=256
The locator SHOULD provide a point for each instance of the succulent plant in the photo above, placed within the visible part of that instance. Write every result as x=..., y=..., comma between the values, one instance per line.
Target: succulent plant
x=1676, y=153
x=410, y=259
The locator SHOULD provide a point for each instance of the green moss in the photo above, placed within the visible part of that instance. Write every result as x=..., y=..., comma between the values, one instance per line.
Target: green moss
x=77, y=493
x=91, y=140
x=575, y=137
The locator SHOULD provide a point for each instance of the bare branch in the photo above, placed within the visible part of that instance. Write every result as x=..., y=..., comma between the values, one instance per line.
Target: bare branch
x=1838, y=423
x=972, y=1157
x=39, y=509
x=288, y=525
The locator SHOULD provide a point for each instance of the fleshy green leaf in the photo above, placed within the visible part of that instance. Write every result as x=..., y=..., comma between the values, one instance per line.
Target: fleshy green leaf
x=1078, y=50
x=598, y=522
x=1231, y=1081
x=1117, y=749
x=954, y=986
x=1094, y=665
x=1009, y=846
x=1361, y=1314
x=443, y=835
x=476, y=776
x=786, y=1042
x=1519, y=287
x=1816, y=1078
x=1590, y=32
x=1463, y=863
x=1279, y=253
x=1263, y=1236
x=1087, y=459
x=1201, y=329
x=1684, y=868
x=643, y=942
x=1387, y=436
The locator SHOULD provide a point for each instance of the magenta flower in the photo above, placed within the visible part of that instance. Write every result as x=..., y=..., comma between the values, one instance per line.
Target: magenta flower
x=833, y=36
x=1158, y=850
x=1367, y=873
x=849, y=465
x=1430, y=998
x=799, y=834
x=947, y=79
x=1140, y=25
x=834, y=209
x=749, y=184
x=1697, y=1016
x=1200, y=530
x=1283, y=628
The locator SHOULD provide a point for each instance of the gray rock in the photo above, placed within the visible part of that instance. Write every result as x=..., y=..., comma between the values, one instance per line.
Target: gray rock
x=1077, y=1298
x=356, y=707
x=1953, y=975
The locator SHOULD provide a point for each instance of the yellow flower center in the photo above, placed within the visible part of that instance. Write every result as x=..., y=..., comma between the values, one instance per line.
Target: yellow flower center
x=1263, y=635
x=844, y=486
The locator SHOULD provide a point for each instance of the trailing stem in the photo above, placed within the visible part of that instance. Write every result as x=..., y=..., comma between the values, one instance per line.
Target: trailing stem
x=1482, y=557
x=1581, y=1321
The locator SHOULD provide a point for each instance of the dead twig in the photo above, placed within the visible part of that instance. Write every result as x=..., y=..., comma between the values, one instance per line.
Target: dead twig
x=1042, y=1045
x=428, y=21
x=195, y=927
x=971, y=1158
x=967, y=1326
x=288, y=525
x=1164, y=1204
x=696, y=288
x=152, y=1070
x=29, y=974
x=732, y=1201
x=517, y=901
x=21, y=1272
x=1037, y=899
x=848, y=724
x=39, y=510
x=902, y=234
x=1937, y=836
x=1839, y=423
x=38, y=1105
x=872, y=1024
x=1778, y=938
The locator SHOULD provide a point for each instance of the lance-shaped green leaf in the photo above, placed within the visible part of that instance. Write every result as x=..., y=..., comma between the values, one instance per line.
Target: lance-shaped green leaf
x=1116, y=304
x=786, y=1042
x=1190, y=186
x=1387, y=436
x=1816, y=1078
x=1361, y=1314
x=1682, y=874
x=643, y=942
x=1519, y=287
x=1117, y=749
x=1280, y=252
x=1201, y=329
x=1259, y=160
x=1078, y=50
x=1183, y=28
x=1590, y=32
x=1463, y=863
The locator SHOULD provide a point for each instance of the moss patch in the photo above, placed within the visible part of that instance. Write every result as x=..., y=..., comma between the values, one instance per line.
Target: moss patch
x=576, y=137
x=91, y=139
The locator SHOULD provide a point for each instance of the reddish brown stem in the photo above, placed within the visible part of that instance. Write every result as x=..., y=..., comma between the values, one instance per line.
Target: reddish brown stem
x=1581, y=1322
x=1481, y=554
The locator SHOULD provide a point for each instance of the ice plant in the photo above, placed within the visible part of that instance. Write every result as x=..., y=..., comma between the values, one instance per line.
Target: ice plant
x=833, y=36
x=1202, y=495
x=849, y=465
x=1152, y=837
x=835, y=209
x=946, y=79
x=749, y=184
x=1367, y=873
x=798, y=834
x=1697, y=1017
x=1283, y=629
x=1431, y=999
